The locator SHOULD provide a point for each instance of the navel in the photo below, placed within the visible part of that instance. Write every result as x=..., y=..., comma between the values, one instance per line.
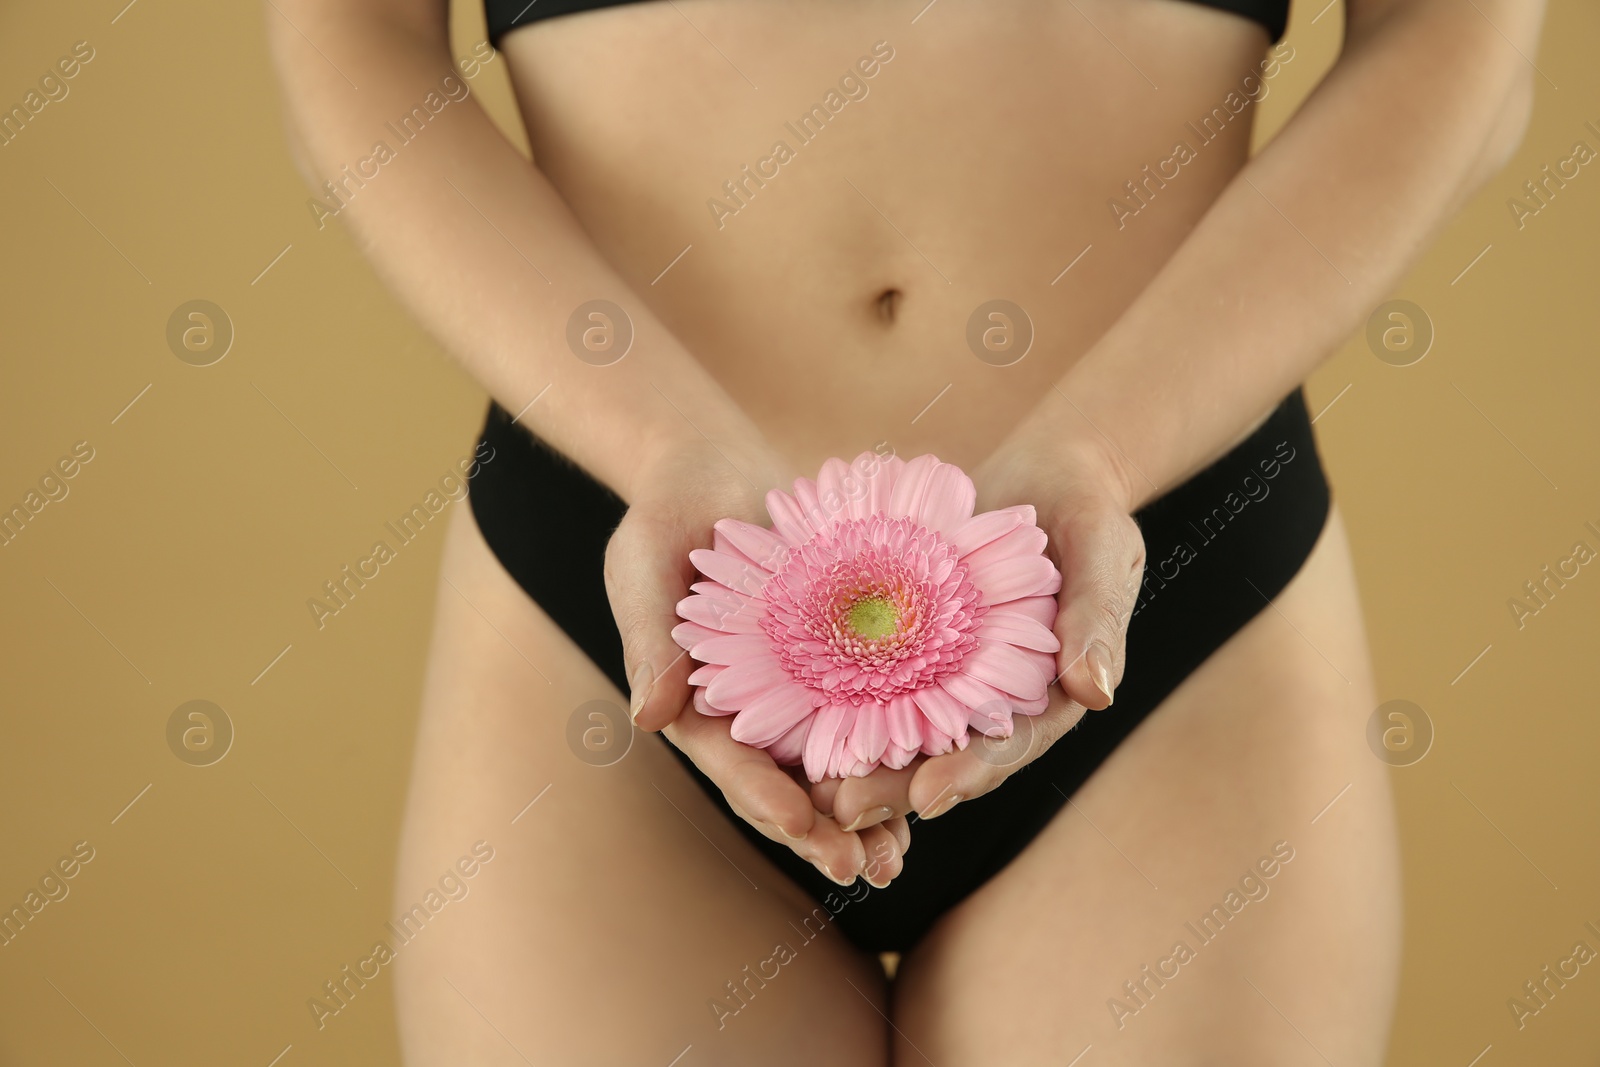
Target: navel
x=889, y=304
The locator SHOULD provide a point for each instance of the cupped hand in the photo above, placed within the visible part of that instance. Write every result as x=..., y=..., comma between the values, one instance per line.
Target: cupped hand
x=1080, y=495
x=647, y=573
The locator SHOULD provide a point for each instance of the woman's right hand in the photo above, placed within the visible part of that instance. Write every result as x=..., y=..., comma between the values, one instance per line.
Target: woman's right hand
x=680, y=494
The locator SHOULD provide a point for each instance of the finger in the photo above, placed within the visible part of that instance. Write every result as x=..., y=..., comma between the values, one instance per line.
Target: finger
x=944, y=781
x=1101, y=556
x=757, y=789
x=823, y=793
x=901, y=829
x=883, y=856
x=764, y=795
x=839, y=855
x=797, y=771
x=876, y=797
x=645, y=578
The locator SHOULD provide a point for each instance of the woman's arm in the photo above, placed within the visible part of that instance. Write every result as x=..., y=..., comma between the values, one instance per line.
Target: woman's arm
x=486, y=255
x=479, y=246
x=1429, y=98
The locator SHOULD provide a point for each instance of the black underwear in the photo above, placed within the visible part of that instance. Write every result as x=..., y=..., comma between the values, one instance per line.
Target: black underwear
x=1218, y=547
x=506, y=15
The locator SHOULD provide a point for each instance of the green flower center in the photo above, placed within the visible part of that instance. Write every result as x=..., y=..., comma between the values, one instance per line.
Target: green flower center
x=874, y=617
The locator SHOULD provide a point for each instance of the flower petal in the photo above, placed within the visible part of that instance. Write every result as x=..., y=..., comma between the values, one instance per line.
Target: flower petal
x=880, y=475
x=935, y=742
x=904, y=722
x=789, y=749
x=994, y=722
x=721, y=544
x=772, y=714
x=1013, y=627
x=805, y=498
x=1041, y=609
x=850, y=767
x=825, y=726
x=1012, y=579
x=895, y=757
x=1025, y=540
x=858, y=486
x=735, y=648
x=787, y=519
x=704, y=707
x=735, y=687
x=702, y=675
x=949, y=496
x=1007, y=668
x=1031, y=707
x=756, y=542
x=831, y=482
x=737, y=574
x=979, y=696
x=870, y=735
x=690, y=634
x=730, y=613
x=911, y=488
x=857, y=490
x=981, y=529
x=944, y=711
x=836, y=758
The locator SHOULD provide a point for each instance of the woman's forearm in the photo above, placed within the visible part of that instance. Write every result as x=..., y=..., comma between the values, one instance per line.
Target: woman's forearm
x=1427, y=100
x=480, y=247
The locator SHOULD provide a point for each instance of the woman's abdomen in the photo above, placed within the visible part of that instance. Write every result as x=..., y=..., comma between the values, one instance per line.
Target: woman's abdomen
x=846, y=286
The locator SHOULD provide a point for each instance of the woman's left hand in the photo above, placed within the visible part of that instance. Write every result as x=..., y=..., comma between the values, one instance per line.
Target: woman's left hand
x=1081, y=494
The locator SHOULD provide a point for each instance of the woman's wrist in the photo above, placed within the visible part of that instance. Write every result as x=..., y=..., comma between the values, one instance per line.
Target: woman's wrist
x=1045, y=456
x=742, y=466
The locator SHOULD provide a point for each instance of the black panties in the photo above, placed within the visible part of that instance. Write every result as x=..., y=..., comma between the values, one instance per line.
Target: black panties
x=1219, y=547
x=502, y=16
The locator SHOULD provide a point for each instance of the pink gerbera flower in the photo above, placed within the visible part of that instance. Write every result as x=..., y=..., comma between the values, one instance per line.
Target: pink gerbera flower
x=877, y=619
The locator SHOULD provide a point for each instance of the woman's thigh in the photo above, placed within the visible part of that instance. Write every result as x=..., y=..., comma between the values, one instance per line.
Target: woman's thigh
x=616, y=909
x=1076, y=943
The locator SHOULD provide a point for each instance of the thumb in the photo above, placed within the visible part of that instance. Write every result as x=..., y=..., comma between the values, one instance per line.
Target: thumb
x=646, y=576
x=1101, y=556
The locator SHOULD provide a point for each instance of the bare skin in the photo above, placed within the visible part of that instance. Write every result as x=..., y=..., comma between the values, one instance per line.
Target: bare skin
x=819, y=319
x=811, y=354
x=620, y=904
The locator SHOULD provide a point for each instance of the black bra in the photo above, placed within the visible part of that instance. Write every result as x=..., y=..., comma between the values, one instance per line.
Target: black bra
x=505, y=15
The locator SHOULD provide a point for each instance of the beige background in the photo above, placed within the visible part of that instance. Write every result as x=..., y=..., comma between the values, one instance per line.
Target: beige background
x=179, y=565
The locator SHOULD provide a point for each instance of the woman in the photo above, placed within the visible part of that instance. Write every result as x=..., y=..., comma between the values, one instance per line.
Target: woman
x=800, y=216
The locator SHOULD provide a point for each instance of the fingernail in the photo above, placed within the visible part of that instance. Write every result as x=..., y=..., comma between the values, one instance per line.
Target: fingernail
x=950, y=802
x=1099, y=660
x=879, y=865
x=787, y=834
x=870, y=817
x=640, y=686
x=828, y=874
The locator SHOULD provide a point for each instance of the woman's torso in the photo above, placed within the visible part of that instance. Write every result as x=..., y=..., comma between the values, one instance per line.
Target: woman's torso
x=977, y=162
